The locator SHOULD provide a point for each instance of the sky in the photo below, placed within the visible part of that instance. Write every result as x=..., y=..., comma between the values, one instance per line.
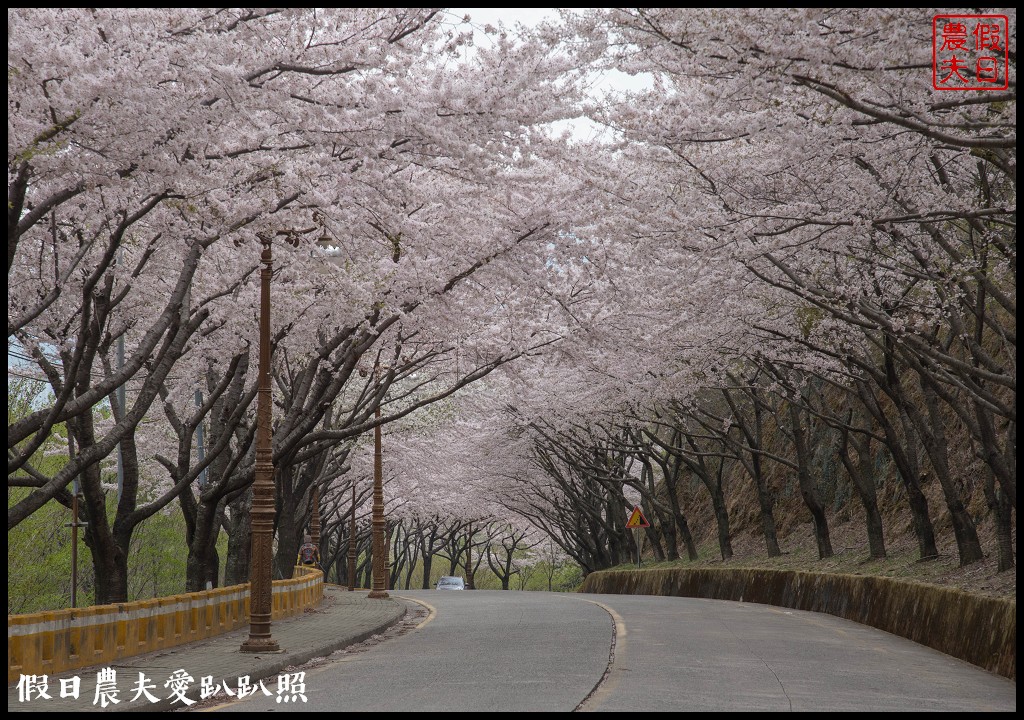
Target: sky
x=508, y=16
x=611, y=80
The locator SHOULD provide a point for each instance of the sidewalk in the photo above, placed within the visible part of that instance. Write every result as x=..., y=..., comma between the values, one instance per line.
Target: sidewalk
x=342, y=619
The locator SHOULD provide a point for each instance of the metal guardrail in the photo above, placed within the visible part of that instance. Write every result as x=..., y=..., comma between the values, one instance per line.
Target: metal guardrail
x=52, y=642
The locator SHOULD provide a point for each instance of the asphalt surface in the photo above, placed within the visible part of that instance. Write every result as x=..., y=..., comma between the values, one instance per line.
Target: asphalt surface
x=486, y=651
x=692, y=654
x=482, y=651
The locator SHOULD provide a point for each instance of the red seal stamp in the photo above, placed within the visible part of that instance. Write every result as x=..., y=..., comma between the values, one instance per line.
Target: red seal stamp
x=970, y=52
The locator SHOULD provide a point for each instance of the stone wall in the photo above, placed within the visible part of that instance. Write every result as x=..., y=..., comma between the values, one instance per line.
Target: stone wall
x=980, y=630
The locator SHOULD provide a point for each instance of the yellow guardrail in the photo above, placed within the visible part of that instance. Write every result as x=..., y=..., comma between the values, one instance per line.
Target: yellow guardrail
x=52, y=642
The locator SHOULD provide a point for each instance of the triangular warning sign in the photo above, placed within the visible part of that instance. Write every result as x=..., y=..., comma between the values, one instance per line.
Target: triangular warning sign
x=637, y=519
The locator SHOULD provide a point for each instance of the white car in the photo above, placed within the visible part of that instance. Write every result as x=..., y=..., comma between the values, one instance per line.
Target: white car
x=451, y=583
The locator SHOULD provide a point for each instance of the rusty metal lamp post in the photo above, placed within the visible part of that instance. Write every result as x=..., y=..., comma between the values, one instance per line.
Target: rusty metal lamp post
x=352, y=544
x=469, y=559
x=314, y=527
x=262, y=514
x=380, y=545
x=387, y=558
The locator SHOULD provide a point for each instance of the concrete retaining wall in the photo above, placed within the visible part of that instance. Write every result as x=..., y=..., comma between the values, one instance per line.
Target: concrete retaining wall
x=53, y=642
x=980, y=630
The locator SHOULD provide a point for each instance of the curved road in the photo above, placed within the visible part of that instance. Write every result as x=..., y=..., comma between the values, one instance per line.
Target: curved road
x=486, y=651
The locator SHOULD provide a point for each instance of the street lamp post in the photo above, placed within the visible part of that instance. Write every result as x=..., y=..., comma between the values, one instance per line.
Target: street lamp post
x=262, y=513
x=387, y=557
x=314, y=526
x=380, y=546
x=469, y=560
x=352, y=544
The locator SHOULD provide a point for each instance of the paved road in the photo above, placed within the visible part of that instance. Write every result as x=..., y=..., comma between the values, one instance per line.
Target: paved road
x=493, y=651
x=691, y=654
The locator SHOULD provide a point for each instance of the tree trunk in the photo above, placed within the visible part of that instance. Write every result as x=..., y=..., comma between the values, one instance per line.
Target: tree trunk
x=764, y=495
x=682, y=525
x=863, y=481
x=904, y=456
x=414, y=555
x=1003, y=463
x=428, y=562
x=765, y=503
x=368, y=569
x=236, y=570
x=109, y=560
x=653, y=534
x=808, y=488
x=933, y=433
x=1002, y=512
x=662, y=533
x=721, y=520
x=621, y=544
x=714, y=487
x=668, y=531
x=203, y=562
x=289, y=535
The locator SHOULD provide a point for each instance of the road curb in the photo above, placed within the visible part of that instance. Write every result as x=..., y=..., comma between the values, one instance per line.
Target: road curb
x=275, y=665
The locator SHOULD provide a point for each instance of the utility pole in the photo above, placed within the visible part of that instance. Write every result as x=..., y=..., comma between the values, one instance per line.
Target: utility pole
x=74, y=525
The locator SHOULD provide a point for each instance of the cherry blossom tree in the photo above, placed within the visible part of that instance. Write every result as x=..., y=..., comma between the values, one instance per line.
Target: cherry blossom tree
x=355, y=126
x=792, y=195
x=788, y=249
x=854, y=188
